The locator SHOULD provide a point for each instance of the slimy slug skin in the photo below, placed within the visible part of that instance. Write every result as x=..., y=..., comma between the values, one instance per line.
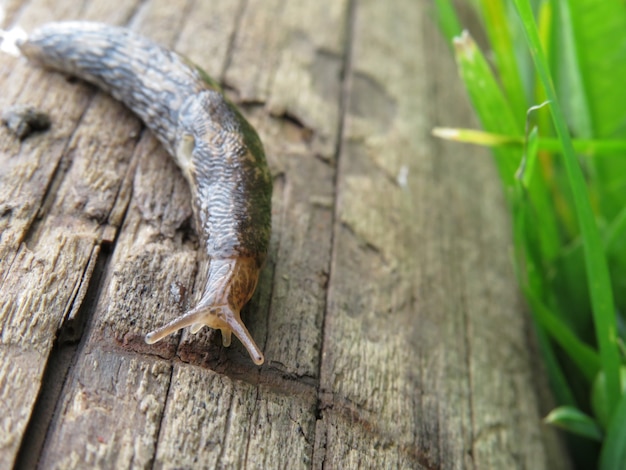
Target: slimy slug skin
x=218, y=151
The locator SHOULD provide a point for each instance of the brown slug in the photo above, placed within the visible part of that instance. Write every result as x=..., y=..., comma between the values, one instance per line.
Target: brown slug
x=218, y=151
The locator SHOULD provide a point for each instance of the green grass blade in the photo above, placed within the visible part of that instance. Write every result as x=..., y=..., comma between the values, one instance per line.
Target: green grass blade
x=575, y=421
x=595, y=261
x=545, y=23
x=532, y=279
x=446, y=17
x=568, y=73
x=489, y=102
x=616, y=232
x=525, y=172
x=583, y=356
x=496, y=115
x=587, y=147
x=600, y=45
x=558, y=381
x=613, y=454
x=498, y=27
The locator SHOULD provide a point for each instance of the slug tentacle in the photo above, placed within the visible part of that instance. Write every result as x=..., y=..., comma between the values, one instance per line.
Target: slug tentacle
x=220, y=154
x=222, y=318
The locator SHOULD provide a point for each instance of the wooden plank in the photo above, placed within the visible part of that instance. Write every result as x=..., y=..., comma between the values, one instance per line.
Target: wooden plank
x=304, y=190
x=234, y=424
x=43, y=261
x=421, y=285
x=384, y=303
x=94, y=433
x=132, y=249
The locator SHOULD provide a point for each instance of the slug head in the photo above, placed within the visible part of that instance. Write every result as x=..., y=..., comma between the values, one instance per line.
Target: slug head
x=230, y=284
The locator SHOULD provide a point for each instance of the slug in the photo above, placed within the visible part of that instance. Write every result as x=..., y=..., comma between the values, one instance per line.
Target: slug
x=218, y=151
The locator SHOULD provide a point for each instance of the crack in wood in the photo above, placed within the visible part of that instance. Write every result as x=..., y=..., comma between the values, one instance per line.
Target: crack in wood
x=227, y=427
x=319, y=454
x=71, y=327
x=56, y=372
x=62, y=358
x=56, y=180
x=232, y=40
x=161, y=418
x=332, y=406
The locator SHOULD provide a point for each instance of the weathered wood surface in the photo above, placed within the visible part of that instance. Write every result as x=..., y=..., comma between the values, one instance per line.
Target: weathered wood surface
x=388, y=313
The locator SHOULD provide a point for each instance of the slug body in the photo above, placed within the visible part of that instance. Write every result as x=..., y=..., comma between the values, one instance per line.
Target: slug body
x=218, y=151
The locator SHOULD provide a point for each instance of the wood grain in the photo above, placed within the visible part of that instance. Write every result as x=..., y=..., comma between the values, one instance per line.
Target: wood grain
x=388, y=312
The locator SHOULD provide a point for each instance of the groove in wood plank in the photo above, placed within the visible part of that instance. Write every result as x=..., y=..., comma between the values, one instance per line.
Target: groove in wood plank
x=57, y=367
x=129, y=389
x=213, y=421
x=63, y=355
x=38, y=287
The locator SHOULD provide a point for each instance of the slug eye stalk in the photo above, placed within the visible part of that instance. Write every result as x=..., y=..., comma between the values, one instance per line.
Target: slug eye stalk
x=222, y=318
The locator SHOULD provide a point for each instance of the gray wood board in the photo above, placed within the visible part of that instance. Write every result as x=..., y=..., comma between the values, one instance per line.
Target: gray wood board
x=388, y=312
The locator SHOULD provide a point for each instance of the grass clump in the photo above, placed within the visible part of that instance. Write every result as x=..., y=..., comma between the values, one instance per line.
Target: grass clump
x=552, y=105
